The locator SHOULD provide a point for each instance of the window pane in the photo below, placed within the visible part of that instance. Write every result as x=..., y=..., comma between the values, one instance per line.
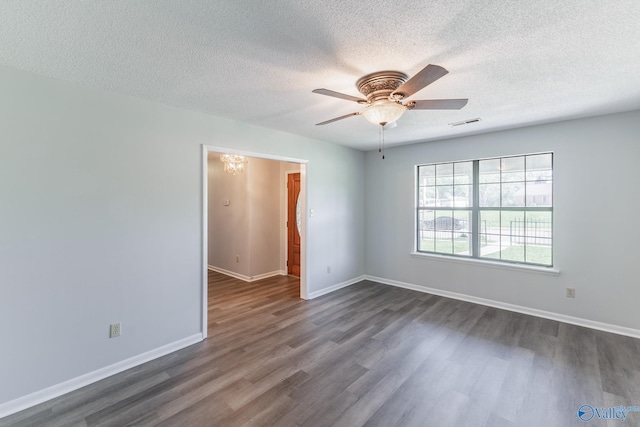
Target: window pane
x=443, y=227
x=462, y=195
x=426, y=244
x=445, y=195
x=491, y=255
x=490, y=216
x=463, y=173
x=425, y=215
x=444, y=245
x=444, y=174
x=427, y=196
x=539, y=253
x=445, y=231
x=490, y=245
x=510, y=251
x=490, y=195
x=489, y=236
x=539, y=194
x=505, y=234
x=462, y=232
x=512, y=169
x=489, y=171
x=513, y=194
x=462, y=221
x=444, y=220
x=427, y=175
x=539, y=167
x=513, y=224
x=426, y=238
x=489, y=221
x=539, y=227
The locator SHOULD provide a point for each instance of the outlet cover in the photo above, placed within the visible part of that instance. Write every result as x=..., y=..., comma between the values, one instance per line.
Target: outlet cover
x=114, y=330
x=571, y=292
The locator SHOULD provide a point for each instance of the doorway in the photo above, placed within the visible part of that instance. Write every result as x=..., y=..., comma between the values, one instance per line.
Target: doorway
x=299, y=224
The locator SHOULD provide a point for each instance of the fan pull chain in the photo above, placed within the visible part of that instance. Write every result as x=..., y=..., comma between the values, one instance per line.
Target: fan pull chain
x=381, y=144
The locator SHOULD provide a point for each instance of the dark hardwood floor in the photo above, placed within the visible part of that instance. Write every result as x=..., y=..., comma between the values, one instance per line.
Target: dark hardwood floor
x=366, y=355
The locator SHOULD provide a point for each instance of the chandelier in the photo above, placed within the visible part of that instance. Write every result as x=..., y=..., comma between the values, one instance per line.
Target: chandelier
x=233, y=163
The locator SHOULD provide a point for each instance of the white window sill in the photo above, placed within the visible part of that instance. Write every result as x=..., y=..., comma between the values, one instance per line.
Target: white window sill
x=493, y=264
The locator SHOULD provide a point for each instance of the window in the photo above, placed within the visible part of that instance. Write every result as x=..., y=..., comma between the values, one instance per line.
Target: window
x=498, y=209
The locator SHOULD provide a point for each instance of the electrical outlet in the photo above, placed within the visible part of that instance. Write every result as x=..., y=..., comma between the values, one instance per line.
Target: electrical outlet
x=328, y=269
x=571, y=292
x=237, y=258
x=114, y=330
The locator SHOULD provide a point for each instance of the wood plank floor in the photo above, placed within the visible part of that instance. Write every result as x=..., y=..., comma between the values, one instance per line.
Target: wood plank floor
x=366, y=355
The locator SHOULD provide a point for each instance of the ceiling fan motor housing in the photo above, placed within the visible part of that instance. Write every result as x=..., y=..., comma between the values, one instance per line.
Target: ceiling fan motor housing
x=378, y=86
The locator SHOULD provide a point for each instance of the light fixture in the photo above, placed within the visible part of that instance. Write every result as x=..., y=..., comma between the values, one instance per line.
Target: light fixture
x=383, y=112
x=233, y=163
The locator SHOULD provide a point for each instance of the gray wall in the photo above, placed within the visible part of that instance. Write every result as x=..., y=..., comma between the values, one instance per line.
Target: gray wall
x=595, y=208
x=228, y=225
x=100, y=221
x=249, y=226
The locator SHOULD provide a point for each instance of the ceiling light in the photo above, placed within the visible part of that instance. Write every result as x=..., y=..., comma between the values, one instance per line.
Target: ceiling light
x=383, y=112
x=233, y=163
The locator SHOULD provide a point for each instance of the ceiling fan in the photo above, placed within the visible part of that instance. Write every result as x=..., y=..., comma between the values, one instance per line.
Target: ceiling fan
x=385, y=92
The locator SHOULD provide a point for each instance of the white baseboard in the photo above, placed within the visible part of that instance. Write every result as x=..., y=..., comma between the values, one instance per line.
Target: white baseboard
x=267, y=275
x=57, y=390
x=620, y=330
x=333, y=288
x=230, y=273
x=246, y=278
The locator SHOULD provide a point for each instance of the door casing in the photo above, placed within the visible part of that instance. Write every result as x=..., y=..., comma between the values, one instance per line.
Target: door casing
x=206, y=149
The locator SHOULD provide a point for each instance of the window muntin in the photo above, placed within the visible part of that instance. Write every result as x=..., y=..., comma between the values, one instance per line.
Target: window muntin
x=497, y=209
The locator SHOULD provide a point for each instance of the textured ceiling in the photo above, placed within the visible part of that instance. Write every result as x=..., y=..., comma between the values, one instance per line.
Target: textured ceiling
x=258, y=61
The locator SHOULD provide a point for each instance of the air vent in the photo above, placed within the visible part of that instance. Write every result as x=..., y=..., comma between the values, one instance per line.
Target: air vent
x=464, y=122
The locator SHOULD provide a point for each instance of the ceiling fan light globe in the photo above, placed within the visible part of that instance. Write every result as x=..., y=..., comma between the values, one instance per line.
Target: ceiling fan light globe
x=383, y=112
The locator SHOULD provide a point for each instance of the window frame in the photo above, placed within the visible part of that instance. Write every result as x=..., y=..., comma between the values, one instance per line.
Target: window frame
x=475, y=213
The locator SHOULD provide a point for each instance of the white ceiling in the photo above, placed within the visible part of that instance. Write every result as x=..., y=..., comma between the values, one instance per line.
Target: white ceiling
x=257, y=61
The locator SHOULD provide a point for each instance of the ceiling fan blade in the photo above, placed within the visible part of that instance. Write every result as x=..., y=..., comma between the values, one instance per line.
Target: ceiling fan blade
x=340, y=95
x=424, y=78
x=436, y=104
x=337, y=118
